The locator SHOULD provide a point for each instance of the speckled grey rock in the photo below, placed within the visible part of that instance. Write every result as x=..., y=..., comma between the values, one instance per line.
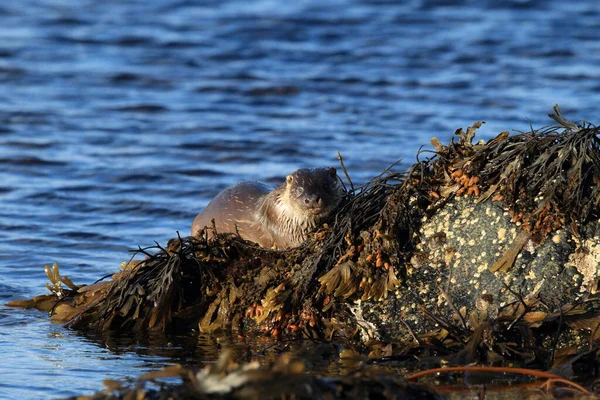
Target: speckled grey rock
x=450, y=270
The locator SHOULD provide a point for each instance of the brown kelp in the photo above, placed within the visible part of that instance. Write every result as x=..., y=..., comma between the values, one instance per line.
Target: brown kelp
x=196, y=281
x=483, y=252
x=547, y=179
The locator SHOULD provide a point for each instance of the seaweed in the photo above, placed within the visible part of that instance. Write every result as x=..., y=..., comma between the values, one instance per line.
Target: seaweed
x=209, y=284
x=547, y=179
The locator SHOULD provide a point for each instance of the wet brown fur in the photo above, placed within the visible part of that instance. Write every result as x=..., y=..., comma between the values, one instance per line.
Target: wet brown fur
x=281, y=217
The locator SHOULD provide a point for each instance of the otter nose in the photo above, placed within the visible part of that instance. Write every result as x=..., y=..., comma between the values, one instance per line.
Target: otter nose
x=313, y=201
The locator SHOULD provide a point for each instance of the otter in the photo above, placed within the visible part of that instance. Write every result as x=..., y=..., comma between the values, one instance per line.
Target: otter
x=280, y=217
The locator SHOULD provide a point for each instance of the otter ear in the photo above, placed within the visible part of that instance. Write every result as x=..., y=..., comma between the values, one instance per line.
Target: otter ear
x=289, y=179
x=332, y=172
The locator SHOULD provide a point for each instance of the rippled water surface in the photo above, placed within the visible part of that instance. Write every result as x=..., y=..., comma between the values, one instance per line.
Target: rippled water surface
x=120, y=120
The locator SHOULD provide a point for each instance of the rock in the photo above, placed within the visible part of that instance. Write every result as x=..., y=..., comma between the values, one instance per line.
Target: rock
x=450, y=269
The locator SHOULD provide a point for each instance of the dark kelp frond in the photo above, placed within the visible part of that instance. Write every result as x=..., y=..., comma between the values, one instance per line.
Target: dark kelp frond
x=167, y=291
x=145, y=294
x=548, y=177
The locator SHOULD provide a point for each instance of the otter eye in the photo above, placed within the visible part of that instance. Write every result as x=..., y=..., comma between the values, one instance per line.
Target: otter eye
x=332, y=172
x=289, y=179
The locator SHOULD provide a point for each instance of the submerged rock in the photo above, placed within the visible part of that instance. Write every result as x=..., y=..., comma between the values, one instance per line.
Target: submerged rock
x=450, y=271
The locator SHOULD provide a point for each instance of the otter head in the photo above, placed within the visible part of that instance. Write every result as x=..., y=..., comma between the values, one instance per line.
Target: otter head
x=313, y=192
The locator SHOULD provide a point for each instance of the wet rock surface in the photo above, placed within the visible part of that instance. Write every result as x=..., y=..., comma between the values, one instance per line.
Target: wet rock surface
x=450, y=269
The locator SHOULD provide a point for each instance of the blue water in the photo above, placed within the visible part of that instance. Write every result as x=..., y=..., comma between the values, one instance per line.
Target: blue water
x=119, y=122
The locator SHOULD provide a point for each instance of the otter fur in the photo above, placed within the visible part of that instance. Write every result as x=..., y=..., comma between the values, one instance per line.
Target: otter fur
x=274, y=218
